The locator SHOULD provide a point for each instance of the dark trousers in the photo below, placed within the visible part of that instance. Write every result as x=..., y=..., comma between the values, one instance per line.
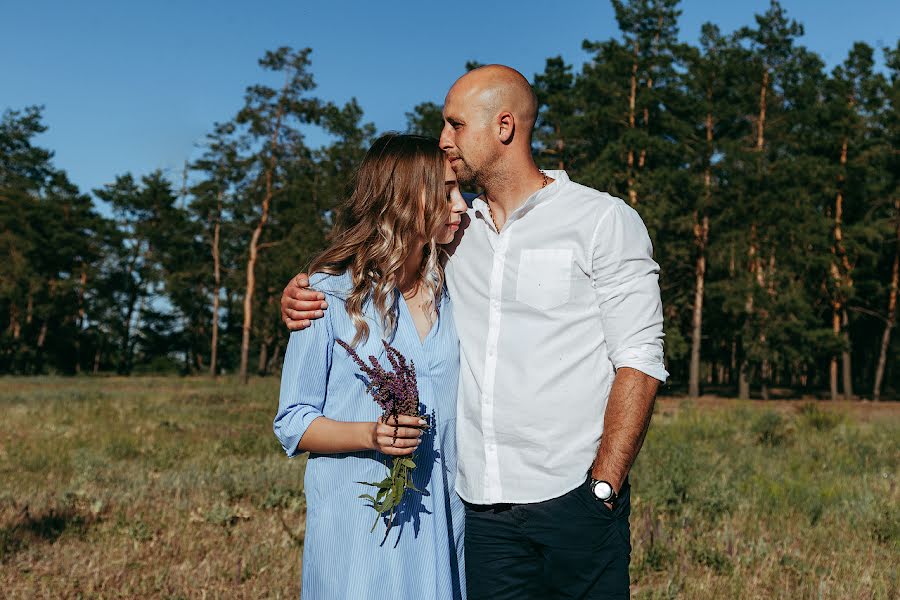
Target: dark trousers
x=568, y=547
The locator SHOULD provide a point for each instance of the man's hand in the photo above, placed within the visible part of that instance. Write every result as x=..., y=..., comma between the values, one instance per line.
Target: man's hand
x=300, y=305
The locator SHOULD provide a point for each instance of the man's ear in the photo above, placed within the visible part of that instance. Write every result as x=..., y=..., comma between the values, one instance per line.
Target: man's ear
x=507, y=123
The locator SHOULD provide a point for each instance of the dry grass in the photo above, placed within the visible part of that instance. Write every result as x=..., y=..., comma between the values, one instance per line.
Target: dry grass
x=176, y=488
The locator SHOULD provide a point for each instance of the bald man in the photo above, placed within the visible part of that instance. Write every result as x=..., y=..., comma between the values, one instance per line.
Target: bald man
x=559, y=318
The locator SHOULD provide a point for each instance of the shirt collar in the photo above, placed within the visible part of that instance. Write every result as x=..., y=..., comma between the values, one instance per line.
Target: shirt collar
x=561, y=178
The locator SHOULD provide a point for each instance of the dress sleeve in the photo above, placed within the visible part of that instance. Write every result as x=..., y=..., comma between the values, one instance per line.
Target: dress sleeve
x=625, y=277
x=304, y=381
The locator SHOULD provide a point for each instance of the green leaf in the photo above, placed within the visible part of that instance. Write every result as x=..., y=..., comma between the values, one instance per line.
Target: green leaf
x=386, y=483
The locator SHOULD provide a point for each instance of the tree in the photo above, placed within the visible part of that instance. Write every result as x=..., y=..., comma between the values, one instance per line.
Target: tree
x=272, y=119
x=223, y=168
x=555, y=90
x=426, y=118
x=890, y=123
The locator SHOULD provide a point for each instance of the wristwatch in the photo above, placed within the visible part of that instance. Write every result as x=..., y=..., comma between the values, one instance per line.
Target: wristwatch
x=603, y=491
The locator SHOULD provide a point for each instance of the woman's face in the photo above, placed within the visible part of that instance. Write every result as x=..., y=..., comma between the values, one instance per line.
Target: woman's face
x=456, y=206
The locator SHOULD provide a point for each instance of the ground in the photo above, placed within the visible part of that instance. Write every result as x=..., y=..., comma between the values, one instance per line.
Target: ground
x=176, y=488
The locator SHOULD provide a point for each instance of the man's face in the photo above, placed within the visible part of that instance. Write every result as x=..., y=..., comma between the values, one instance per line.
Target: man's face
x=465, y=138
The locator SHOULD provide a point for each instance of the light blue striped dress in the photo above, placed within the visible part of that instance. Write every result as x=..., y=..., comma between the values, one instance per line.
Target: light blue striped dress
x=422, y=556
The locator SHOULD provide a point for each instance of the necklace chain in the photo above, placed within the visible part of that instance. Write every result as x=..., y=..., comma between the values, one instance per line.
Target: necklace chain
x=491, y=212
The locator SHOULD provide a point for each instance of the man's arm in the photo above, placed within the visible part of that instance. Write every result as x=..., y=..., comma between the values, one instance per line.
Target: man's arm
x=626, y=279
x=300, y=305
x=625, y=425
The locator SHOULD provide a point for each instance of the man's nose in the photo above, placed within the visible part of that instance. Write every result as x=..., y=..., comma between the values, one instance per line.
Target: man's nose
x=444, y=140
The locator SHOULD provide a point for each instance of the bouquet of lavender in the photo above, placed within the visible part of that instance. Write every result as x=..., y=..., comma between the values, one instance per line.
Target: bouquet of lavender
x=397, y=394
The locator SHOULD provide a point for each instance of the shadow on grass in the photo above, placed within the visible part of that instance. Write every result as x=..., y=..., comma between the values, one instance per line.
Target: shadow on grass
x=47, y=526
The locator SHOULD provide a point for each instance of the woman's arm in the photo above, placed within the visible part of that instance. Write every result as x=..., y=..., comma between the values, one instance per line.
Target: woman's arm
x=300, y=424
x=327, y=436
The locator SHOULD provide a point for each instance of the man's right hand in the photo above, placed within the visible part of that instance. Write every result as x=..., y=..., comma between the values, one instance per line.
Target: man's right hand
x=300, y=305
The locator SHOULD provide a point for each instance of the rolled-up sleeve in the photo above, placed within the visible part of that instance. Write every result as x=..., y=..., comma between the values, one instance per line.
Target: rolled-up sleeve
x=304, y=382
x=626, y=279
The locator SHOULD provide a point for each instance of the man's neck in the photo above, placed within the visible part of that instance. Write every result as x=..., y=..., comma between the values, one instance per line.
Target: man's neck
x=510, y=189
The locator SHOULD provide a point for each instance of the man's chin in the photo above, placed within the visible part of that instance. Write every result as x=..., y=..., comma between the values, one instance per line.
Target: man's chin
x=464, y=176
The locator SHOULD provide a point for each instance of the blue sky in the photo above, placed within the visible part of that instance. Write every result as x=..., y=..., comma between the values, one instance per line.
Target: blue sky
x=133, y=85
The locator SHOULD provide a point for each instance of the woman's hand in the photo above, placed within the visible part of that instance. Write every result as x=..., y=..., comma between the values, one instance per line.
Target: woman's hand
x=398, y=436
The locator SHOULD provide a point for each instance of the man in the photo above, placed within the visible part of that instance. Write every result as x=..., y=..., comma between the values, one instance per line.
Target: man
x=560, y=326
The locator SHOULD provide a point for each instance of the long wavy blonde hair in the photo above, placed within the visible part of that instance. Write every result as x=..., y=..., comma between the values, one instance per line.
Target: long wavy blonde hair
x=376, y=227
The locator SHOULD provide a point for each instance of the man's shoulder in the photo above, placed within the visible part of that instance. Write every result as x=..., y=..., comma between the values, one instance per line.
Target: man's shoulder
x=602, y=200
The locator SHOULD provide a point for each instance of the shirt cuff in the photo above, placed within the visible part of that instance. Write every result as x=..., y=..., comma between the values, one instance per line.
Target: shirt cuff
x=290, y=433
x=646, y=359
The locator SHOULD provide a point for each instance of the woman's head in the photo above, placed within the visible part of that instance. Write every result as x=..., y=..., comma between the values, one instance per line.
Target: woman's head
x=398, y=192
x=399, y=204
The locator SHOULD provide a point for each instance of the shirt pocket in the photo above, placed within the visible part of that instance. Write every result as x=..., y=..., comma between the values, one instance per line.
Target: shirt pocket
x=545, y=277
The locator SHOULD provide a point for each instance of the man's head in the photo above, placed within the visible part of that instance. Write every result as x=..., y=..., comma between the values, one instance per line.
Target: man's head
x=489, y=115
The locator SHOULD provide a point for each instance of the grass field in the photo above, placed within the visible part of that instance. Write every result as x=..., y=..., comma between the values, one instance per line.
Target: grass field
x=176, y=488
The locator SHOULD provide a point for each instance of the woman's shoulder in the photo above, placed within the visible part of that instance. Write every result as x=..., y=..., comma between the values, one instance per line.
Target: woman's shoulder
x=337, y=286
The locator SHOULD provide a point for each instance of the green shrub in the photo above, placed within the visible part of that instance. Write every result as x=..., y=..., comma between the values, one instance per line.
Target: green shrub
x=283, y=498
x=770, y=429
x=122, y=448
x=712, y=558
x=818, y=419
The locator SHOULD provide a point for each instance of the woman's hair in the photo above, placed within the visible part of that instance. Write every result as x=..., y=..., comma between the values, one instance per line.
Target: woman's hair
x=376, y=227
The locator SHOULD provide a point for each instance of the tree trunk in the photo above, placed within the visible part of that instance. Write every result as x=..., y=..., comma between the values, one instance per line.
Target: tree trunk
x=632, y=100
x=14, y=324
x=125, y=361
x=891, y=312
x=254, y=241
x=761, y=121
x=642, y=159
x=756, y=274
x=560, y=149
x=701, y=237
x=263, y=361
x=97, y=357
x=833, y=368
x=843, y=281
x=845, y=358
x=273, y=362
x=744, y=381
x=701, y=233
x=217, y=277
x=129, y=313
x=81, y=317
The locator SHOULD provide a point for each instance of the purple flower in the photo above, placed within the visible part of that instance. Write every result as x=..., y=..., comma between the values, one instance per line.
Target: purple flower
x=397, y=394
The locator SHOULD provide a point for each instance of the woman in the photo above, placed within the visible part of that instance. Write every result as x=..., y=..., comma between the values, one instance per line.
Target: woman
x=383, y=280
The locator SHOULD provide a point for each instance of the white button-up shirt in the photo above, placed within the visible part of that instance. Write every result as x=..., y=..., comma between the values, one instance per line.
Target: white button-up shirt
x=546, y=310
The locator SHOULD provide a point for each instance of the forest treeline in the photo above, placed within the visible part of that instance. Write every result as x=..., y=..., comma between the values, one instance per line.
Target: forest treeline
x=769, y=184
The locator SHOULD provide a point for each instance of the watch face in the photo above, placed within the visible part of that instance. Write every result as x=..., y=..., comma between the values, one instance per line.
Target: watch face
x=603, y=490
